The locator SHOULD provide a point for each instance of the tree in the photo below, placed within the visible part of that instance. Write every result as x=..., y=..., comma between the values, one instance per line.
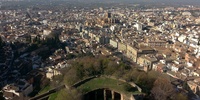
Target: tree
x=69, y=94
x=28, y=39
x=130, y=75
x=44, y=82
x=57, y=79
x=1, y=43
x=180, y=96
x=80, y=71
x=129, y=88
x=162, y=90
x=111, y=68
x=71, y=77
x=103, y=64
x=1, y=96
x=145, y=82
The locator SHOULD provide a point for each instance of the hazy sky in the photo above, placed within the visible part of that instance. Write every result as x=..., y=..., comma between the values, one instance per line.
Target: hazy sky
x=147, y=1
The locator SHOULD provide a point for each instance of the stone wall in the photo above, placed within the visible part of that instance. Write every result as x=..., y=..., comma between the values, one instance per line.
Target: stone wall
x=83, y=81
x=131, y=83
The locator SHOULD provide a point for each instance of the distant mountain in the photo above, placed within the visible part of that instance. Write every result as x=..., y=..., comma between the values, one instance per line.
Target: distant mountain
x=123, y=1
x=132, y=1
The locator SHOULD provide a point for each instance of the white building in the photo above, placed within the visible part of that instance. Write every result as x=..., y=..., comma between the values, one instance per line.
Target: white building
x=46, y=32
x=52, y=72
x=16, y=89
x=138, y=26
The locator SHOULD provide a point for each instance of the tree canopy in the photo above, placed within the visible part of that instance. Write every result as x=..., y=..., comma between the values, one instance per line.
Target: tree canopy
x=152, y=83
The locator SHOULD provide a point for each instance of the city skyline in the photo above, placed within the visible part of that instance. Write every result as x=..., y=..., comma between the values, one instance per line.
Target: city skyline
x=99, y=50
x=122, y=1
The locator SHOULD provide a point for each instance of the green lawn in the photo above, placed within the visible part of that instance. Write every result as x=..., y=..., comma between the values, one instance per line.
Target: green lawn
x=45, y=89
x=53, y=96
x=102, y=82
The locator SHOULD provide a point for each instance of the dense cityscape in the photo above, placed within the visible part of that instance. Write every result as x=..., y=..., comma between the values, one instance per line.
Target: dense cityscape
x=62, y=50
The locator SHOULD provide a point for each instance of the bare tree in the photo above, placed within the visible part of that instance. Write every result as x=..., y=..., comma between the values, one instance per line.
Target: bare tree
x=162, y=89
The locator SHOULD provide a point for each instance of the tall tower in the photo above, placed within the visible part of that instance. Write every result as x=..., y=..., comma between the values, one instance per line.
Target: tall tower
x=109, y=15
